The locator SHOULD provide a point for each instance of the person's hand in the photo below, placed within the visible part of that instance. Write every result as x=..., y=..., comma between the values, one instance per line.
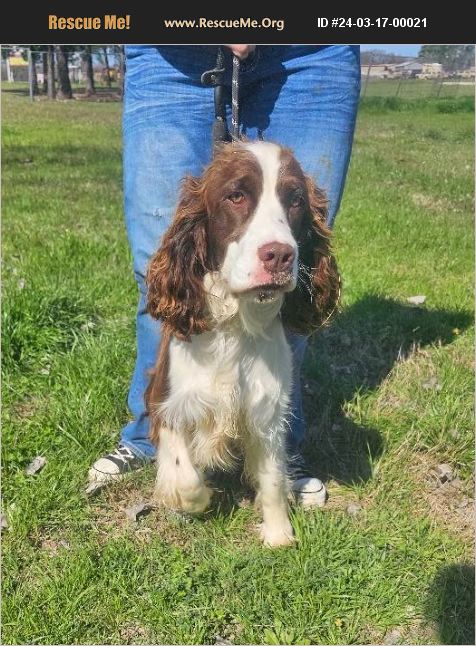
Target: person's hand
x=242, y=51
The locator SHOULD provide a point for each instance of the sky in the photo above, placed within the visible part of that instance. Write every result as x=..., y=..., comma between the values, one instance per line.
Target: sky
x=401, y=50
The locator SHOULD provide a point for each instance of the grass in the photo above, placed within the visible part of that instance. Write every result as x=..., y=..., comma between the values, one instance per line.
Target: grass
x=416, y=88
x=446, y=105
x=388, y=388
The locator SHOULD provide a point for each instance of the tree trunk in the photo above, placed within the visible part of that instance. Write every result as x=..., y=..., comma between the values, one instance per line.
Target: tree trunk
x=44, y=58
x=108, y=69
x=87, y=69
x=121, y=70
x=34, y=75
x=50, y=55
x=65, y=91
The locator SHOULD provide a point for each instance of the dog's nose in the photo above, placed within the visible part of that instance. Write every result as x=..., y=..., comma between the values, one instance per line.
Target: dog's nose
x=276, y=257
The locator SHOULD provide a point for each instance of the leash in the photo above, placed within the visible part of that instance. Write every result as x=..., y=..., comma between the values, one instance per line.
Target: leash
x=235, y=100
x=215, y=78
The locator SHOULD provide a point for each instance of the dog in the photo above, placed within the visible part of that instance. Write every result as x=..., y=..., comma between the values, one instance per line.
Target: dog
x=247, y=255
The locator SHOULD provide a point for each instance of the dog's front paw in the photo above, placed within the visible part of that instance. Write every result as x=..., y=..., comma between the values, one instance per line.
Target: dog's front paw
x=196, y=500
x=277, y=535
x=190, y=494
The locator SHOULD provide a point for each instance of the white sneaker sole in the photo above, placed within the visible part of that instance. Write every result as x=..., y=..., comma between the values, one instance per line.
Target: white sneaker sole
x=95, y=475
x=308, y=492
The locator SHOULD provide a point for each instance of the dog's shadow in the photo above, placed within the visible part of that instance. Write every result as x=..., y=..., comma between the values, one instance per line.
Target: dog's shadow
x=353, y=355
x=450, y=604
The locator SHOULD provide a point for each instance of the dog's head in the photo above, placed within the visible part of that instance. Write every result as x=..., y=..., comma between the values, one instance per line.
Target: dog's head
x=255, y=220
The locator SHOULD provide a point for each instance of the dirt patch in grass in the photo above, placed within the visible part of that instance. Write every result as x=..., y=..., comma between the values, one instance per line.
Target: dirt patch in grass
x=450, y=503
x=135, y=633
x=27, y=407
x=52, y=546
x=429, y=202
x=341, y=498
x=418, y=631
x=110, y=505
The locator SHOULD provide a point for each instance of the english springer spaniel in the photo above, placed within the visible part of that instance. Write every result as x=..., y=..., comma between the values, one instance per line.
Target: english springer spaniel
x=247, y=255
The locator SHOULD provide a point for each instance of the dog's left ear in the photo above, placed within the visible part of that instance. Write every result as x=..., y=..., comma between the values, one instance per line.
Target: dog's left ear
x=315, y=298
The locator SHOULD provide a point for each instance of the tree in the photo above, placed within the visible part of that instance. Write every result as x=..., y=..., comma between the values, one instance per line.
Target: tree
x=379, y=57
x=65, y=91
x=44, y=58
x=87, y=69
x=50, y=57
x=121, y=68
x=7, y=51
x=106, y=64
x=452, y=57
x=37, y=54
x=34, y=77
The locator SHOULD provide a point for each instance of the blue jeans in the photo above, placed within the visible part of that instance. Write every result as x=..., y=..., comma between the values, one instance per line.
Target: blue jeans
x=304, y=97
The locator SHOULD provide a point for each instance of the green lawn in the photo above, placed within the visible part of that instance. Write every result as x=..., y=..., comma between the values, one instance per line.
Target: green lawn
x=389, y=395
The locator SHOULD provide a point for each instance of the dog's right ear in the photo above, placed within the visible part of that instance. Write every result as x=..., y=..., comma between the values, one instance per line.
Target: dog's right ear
x=175, y=274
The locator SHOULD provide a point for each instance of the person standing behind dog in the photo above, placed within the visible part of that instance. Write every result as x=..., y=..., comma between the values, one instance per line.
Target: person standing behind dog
x=304, y=97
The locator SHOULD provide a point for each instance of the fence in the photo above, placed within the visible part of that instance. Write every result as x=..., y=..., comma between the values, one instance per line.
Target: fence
x=407, y=87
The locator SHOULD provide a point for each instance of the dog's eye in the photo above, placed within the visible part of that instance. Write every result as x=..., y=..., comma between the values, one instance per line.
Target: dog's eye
x=237, y=197
x=296, y=199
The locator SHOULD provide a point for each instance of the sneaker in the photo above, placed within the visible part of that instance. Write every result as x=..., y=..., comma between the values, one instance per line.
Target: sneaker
x=115, y=465
x=305, y=488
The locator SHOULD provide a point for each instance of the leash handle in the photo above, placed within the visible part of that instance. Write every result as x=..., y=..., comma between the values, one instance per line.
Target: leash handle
x=215, y=79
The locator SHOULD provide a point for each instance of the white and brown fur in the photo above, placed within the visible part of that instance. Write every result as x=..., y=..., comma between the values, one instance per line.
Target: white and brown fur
x=247, y=253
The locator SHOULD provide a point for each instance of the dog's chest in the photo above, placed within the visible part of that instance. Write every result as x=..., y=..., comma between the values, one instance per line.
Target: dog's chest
x=230, y=378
